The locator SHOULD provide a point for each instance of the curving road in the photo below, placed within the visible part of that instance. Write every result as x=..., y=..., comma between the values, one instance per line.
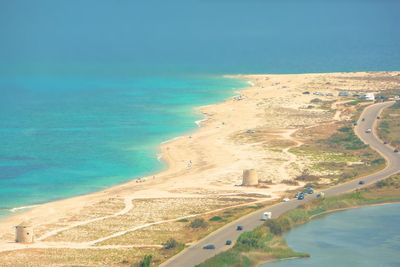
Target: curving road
x=195, y=254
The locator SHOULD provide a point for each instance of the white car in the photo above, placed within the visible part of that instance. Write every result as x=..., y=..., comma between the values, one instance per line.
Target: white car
x=286, y=199
x=368, y=131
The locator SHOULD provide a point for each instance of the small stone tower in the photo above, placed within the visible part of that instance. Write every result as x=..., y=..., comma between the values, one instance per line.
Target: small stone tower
x=250, y=177
x=24, y=233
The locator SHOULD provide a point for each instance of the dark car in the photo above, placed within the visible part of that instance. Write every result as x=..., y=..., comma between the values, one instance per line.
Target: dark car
x=362, y=119
x=396, y=150
x=309, y=190
x=209, y=246
x=239, y=228
x=361, y=182
x=300, y=197
x=378, y=117
x=228, y=242
x=385, y=142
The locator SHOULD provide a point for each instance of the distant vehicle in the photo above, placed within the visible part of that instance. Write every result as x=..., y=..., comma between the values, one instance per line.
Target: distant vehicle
x=385, y=142
x=396, y=150
x=266, y=215
x=361, y=182
x=309, y=190
x=355, y=123
x=320, y=195
x=363, y=119
x=300, y=197
x=306, y=93
x=209, y=246
x=228, y=242
x=239, y=228
x=286, y=199
x=378, y=117
x=368, y=131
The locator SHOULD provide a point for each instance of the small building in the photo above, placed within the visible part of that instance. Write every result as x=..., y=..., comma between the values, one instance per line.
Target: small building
x=250, y=177
x=24, y=233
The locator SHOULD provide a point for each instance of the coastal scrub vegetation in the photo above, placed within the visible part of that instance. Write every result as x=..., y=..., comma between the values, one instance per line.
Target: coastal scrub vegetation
x=198, y=223
x=146, y=262
x=389, y=126
x=172, y=244
x=265, y=243
x=336, y=154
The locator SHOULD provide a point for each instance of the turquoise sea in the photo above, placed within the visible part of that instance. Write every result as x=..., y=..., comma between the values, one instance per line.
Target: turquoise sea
x=88, y=89
x=64, y=136
x=367, y=237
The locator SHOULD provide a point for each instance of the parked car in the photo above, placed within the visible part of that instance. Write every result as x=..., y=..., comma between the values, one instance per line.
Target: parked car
x=395, y=150
x=362, y=119
x=300, y=197
x=378, y=117
x=368, y=131
x=239, y=228
x=209, y=246
x=286, y=199
x=385, y=142
x=361, y=182
x=309, y=190
x=228, y=242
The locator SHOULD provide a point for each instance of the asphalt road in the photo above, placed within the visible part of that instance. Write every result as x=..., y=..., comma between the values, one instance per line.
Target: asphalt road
x=195, y=254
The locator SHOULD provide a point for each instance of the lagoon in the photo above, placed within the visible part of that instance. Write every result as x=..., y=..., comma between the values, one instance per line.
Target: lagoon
x=368, y=236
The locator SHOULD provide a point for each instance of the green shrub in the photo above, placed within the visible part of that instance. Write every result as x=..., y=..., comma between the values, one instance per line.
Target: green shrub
x=146, y=262
x=345, y=129
x=216, y=219
x=274, y=227
x=198, y=223
x=170, y=244
x=250, y=240
x=378, y=161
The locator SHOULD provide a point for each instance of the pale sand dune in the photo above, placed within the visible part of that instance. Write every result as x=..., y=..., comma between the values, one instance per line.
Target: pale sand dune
x=273, y=107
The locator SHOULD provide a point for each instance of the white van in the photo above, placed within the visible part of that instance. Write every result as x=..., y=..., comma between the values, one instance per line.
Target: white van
x=266, y=215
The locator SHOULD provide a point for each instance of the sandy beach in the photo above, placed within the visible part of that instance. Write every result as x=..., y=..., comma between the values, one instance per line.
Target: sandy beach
x=254, y=130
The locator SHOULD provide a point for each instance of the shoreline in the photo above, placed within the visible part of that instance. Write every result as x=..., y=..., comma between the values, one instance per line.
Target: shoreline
x=235, y=134
x=13, y=210
x=161, y=156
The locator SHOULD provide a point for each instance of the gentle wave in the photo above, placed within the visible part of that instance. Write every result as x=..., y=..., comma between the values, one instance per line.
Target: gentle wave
x=13, y=210
x=172, y=139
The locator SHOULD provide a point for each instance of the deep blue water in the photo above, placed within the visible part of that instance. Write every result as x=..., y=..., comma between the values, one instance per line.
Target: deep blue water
x=88, y=89
x=367, y=237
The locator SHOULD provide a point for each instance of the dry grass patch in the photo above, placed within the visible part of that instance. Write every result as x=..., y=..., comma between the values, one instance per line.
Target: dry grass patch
x=146, y=211
x=75, y=257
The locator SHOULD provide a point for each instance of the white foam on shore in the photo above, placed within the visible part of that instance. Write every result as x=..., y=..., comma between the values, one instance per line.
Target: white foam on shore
x=23, y=208
x=172, y=139
x=159, y=157
x=198, y=122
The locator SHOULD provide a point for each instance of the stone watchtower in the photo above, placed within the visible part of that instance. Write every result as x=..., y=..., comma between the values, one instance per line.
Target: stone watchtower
x=24, y=233
x=250, y=177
